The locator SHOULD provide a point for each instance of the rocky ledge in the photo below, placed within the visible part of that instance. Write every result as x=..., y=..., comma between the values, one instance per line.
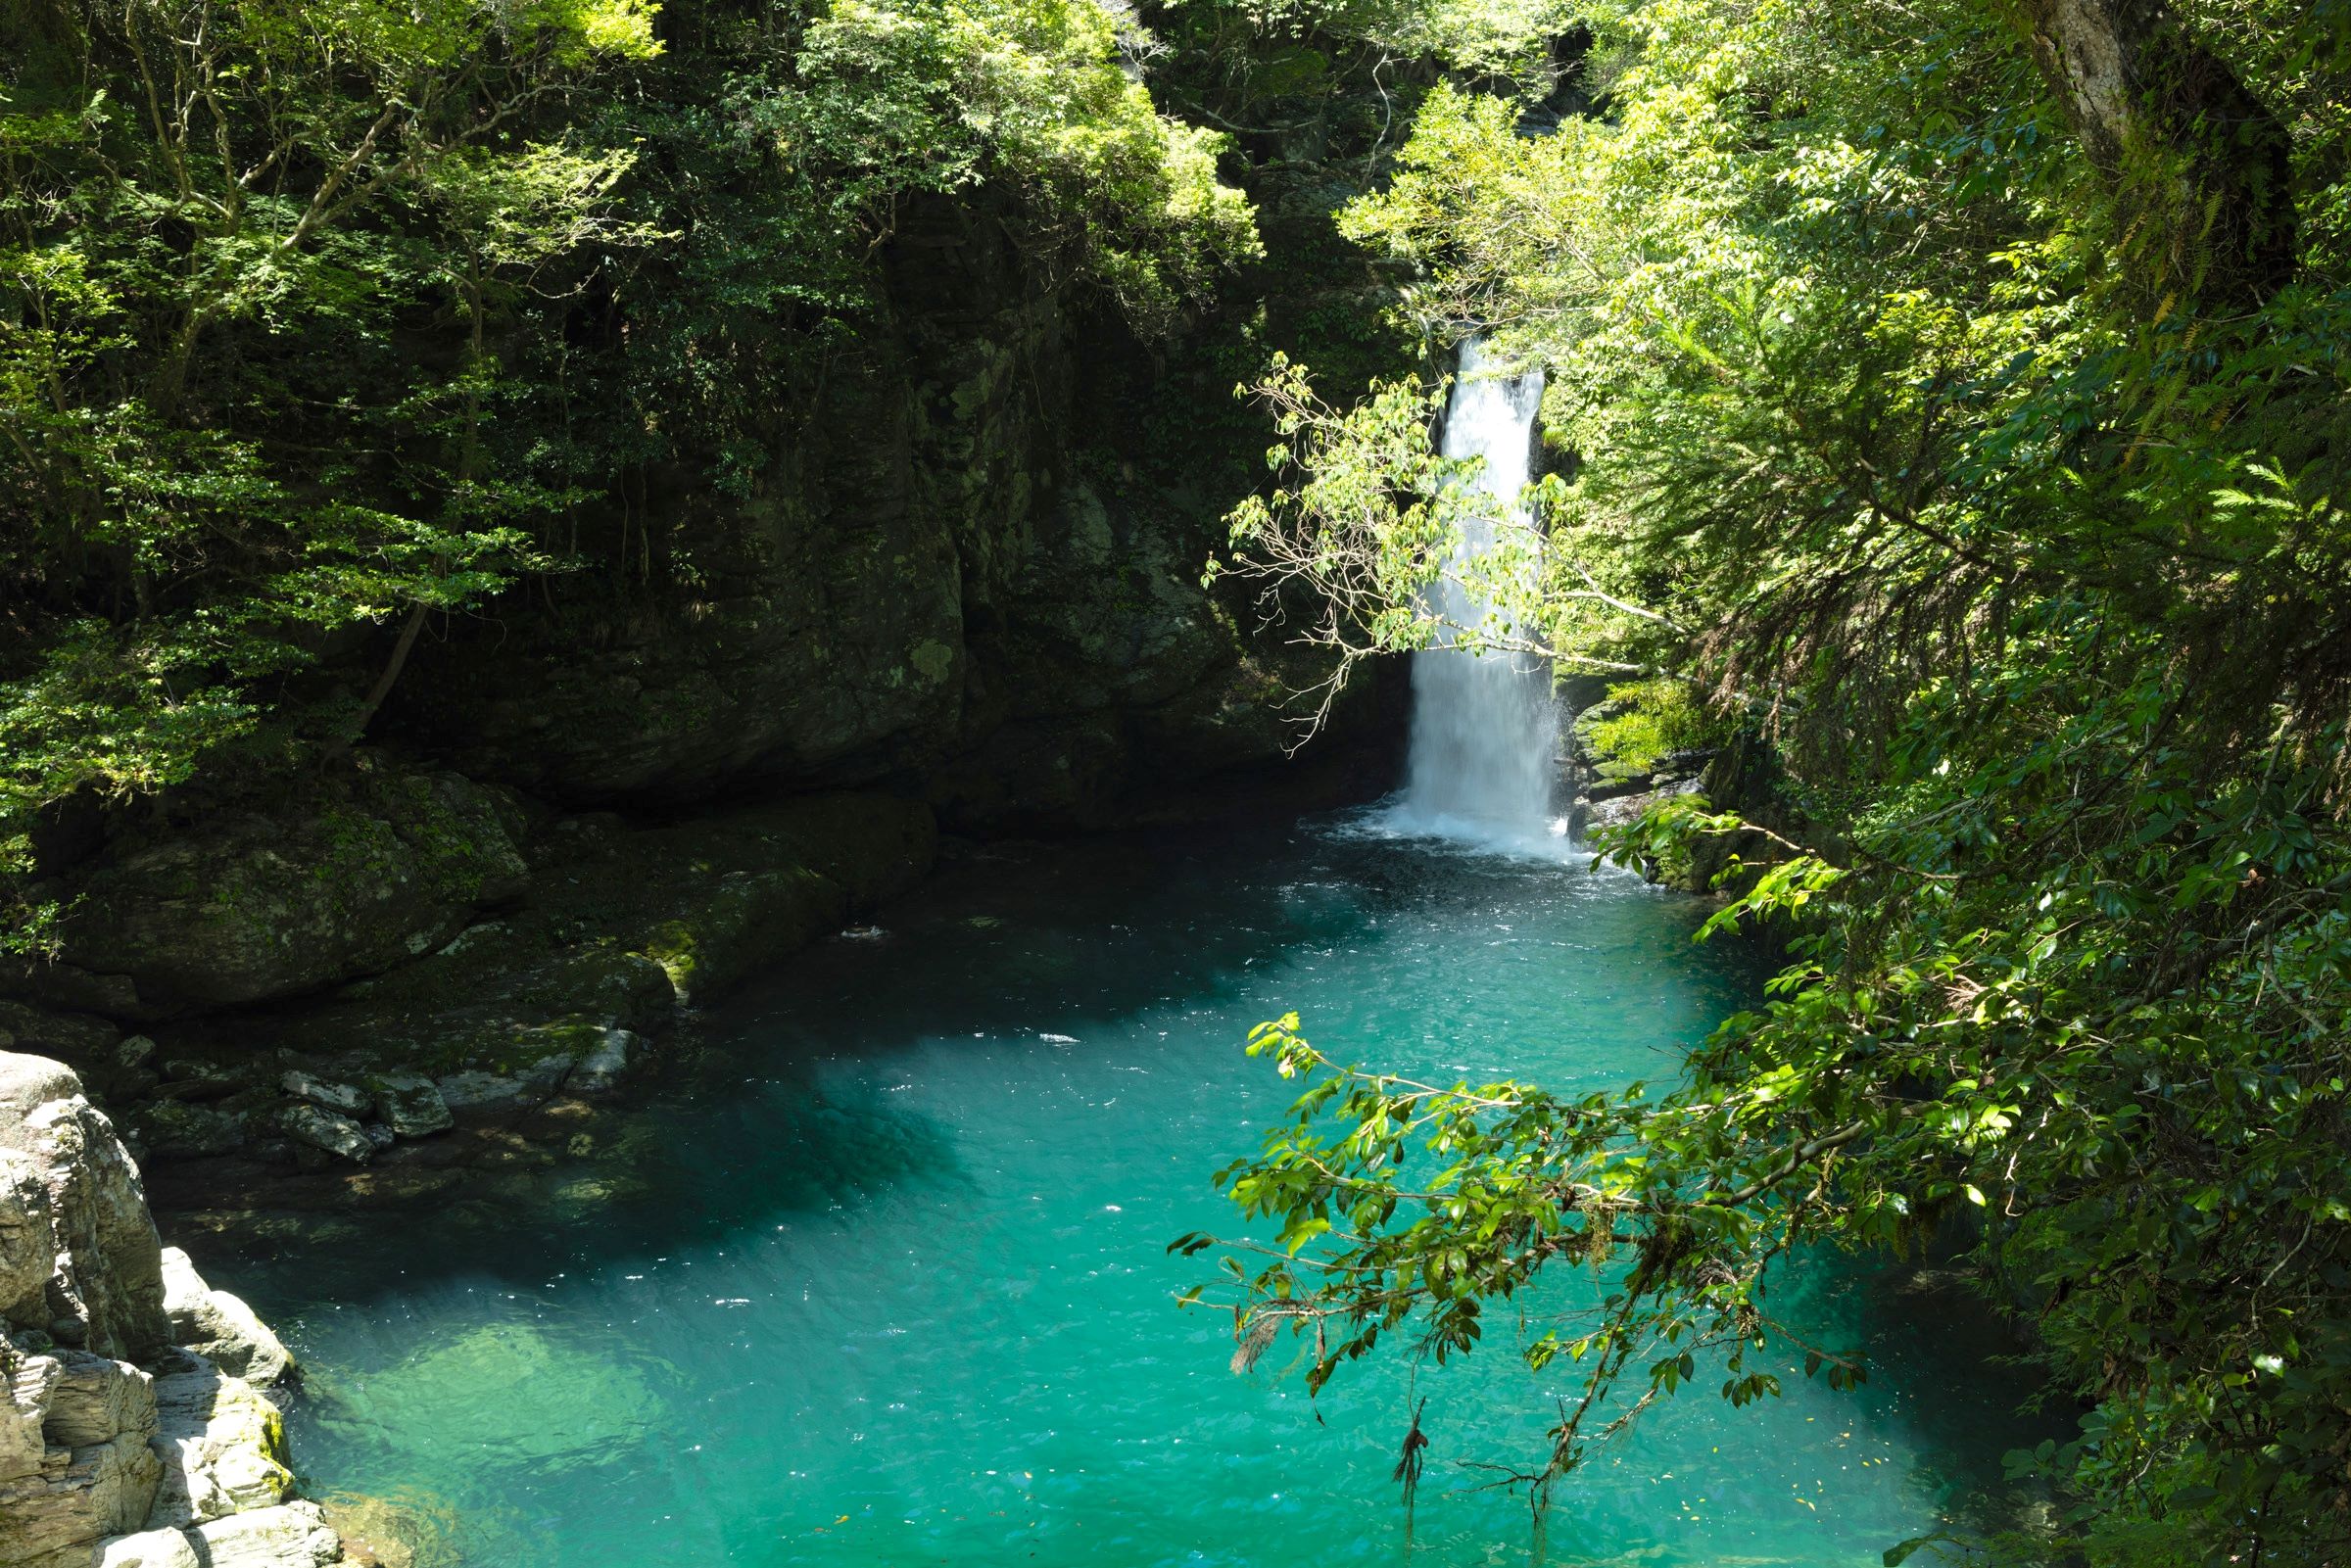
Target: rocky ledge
x=457, y=1004
x=135, y=1431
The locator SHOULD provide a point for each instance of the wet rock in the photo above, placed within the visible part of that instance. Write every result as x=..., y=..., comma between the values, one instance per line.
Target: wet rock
x=323, y=1130
x=343, y=1099
x=499, y=1091
x=382, y=1136
x=135, y=1051
x=410, y=1104
x=477, y=1091
x=600, y=1068
x=221, y=1327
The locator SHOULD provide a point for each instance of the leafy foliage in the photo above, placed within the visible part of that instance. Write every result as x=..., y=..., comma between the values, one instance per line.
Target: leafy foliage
x=2003, y=501
x=322, y=319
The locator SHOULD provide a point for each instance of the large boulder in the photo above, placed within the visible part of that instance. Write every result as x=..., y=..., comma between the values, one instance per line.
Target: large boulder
x=73, y=1191
x=185, y=1461
x=221, y=1327
x=353, y=878
x=293, y=1534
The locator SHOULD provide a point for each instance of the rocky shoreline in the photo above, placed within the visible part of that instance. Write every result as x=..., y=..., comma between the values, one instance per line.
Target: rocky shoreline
x=137, y=1432
x=402, y=985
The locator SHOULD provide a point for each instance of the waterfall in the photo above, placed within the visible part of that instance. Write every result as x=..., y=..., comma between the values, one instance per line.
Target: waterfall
x=1484, y=731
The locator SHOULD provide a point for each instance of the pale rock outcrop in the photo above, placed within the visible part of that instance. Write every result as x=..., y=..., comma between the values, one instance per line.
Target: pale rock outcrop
x=222, y=1445
x=105, y=1289
x=293, y=1534
x=78, y=1461
x=102, y=1459
x=221, y=1327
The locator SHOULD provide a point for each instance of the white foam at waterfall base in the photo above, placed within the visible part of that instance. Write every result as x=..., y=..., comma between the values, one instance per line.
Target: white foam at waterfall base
x=1481, y=760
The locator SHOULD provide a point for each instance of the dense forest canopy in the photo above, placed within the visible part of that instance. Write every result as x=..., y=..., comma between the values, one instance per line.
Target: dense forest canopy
x=1950, y=418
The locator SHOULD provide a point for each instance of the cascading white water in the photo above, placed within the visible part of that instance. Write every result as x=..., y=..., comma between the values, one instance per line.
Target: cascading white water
x=1484, y=731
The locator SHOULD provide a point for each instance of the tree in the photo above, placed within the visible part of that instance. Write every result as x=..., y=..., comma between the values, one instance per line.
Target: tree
x=2032, y=583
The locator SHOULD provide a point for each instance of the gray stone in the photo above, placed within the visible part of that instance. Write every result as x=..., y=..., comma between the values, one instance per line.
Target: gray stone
x=600, y=1068
x=221, y=1443
x=221, y=1327
x=293, y=1534
x=135, y=1051
x=28, y=1244
x=309, y=1125
x=543, y=1077
x=184, y=1462
x=181, y=1131
x=77, y=1462
x=108, y=1274
x=533, y=1084
x=343, y=1099
x=480, y=1091
x=363, y=872
x=411, y=1105
x=94, y=1399
x=381, y=1136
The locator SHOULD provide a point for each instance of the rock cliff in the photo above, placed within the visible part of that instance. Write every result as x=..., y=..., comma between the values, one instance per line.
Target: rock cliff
x=960, y=594
x=135, y=1433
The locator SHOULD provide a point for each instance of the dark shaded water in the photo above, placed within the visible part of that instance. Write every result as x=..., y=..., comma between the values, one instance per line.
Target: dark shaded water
x=895, y=1290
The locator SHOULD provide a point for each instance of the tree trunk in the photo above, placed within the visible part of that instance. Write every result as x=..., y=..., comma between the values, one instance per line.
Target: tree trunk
x=383, y=684
x=2200, y=169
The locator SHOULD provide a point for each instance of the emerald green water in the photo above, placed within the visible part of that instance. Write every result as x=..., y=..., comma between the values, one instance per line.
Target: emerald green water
x=891, y=1286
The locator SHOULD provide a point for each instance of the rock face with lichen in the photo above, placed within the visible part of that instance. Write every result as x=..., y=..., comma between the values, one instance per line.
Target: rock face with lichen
x=115, y=1447
x=961, y=593
x=947, y=574
x=341, y=880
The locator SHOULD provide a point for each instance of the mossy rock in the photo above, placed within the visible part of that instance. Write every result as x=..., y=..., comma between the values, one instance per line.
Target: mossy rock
x=350, y=878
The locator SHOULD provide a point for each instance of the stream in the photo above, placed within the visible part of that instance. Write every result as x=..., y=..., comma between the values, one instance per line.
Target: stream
x=892, y=1287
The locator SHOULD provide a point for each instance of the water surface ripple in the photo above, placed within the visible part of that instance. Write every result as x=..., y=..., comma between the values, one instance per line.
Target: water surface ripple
x=892, y=1289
